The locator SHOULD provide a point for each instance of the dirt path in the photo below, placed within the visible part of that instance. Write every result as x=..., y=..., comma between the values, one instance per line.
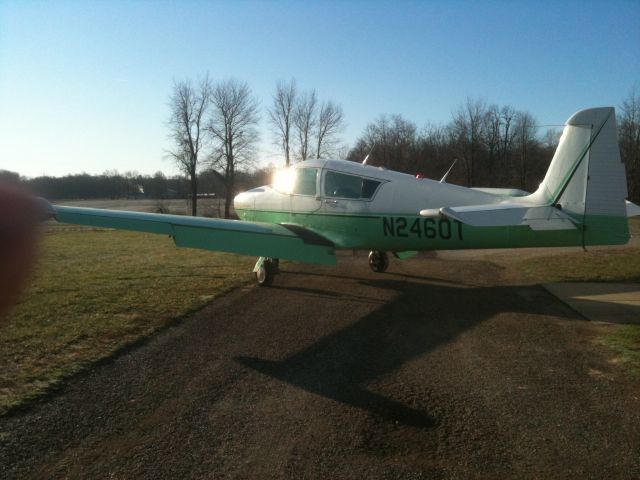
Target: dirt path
x=419, y=373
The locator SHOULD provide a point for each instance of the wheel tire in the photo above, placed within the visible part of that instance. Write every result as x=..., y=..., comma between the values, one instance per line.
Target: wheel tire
x=265, y=274
x=378, y=261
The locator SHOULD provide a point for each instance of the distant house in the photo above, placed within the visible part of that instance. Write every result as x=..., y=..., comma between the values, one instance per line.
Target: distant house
x=136, y=193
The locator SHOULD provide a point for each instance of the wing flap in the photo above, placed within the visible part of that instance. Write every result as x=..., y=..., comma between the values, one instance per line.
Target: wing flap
x=233, y=236
x=508, y=215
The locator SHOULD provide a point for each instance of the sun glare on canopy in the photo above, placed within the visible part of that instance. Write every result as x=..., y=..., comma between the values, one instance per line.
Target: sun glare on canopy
x=284, y=180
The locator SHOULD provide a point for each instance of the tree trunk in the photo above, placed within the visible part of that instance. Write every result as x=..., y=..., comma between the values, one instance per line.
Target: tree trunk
x=228, y=196
x=194, y=194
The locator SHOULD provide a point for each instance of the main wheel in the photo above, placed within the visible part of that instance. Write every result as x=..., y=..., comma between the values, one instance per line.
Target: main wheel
x=266, y=272
x=378, y=261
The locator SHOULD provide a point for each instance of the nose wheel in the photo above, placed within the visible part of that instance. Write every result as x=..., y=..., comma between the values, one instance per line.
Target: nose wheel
x=265, y=270
x=378, y=261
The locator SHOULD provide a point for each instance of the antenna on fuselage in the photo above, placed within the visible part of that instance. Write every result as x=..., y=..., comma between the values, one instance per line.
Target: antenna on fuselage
x=364, y=162
x=443, y=179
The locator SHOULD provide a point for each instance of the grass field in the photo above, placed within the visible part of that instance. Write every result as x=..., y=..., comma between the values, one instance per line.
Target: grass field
x=97, y=290
x=610, y=265
x=625, y=341
x=617, y=264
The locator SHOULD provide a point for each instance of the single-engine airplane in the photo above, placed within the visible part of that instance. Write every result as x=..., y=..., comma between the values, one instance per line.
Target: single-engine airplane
x=318, y=206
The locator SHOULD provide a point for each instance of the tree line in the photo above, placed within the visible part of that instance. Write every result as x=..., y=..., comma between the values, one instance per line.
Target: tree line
x=214, y=131
x=492, y=146
x=629, y=141
x=116, y=185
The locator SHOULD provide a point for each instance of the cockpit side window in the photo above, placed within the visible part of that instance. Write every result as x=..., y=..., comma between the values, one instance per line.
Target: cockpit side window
x=342, y=185
x=305, y=183
x=369, y=187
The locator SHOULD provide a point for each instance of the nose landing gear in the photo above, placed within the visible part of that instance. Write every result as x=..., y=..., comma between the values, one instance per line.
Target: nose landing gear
x=378, y=261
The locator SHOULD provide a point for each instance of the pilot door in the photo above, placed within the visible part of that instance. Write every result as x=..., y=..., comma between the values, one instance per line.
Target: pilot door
x=344, y=193
x=304, y=199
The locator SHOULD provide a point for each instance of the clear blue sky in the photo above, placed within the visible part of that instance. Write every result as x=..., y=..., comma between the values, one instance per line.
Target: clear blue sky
x=84, y=85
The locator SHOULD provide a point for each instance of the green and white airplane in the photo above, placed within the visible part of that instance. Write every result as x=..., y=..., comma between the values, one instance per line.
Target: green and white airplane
x=319, y=206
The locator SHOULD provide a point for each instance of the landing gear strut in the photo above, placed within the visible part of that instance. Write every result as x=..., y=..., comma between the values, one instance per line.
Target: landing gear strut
x=378, y=261
x=265, y=270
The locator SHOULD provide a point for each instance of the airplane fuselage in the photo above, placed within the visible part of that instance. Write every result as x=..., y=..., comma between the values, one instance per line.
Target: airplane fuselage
x=366, y=207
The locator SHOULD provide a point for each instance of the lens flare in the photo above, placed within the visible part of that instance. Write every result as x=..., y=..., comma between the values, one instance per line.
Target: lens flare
x=284, y=180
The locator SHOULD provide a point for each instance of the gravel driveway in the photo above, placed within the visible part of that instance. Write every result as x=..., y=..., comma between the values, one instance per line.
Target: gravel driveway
x=438, y=369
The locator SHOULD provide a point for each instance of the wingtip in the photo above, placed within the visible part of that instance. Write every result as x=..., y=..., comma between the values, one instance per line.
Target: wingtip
x=45, y=209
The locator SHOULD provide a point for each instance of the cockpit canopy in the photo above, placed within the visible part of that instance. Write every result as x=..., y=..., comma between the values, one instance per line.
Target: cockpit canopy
x=308, y=181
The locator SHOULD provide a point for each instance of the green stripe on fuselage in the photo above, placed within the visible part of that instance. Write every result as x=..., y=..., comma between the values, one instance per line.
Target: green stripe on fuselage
x=398, y=232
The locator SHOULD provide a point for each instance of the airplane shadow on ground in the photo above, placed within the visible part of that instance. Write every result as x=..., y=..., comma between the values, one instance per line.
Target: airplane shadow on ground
x=402, y=276
x=420, y=318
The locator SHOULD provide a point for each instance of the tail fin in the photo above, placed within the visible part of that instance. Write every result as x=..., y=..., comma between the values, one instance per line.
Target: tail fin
x=586, y=178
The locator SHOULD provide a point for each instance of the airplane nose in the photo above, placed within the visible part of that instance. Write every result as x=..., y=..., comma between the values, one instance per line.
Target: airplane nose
x=243, y=200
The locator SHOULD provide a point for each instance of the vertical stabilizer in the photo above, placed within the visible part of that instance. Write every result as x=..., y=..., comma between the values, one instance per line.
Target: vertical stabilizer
x=586, y=178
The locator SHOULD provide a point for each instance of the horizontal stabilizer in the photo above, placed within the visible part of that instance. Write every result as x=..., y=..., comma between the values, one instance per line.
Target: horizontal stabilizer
x=503, y=192
x=632, y=209
x=508, y=215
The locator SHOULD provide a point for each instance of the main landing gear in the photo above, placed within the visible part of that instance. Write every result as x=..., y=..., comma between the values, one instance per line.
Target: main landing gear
x=265, y=270
x=378, y=261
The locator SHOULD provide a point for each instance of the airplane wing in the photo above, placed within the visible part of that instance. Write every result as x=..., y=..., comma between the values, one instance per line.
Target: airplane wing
x=505, y=215
x=289, y=242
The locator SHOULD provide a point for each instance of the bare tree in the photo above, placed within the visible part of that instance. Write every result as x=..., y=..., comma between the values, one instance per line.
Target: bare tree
x=629, y=140
x=507, y=114
x=492, y=124
x=330, y=123
x=375, y=142
x=391, y=142
x=525, y=137
x=304, y=121
x=433, y=150
x=281, y=115
x=188, y=108
x=403, y=143
x=551, y=138
x=232, y=123
x=468, y=123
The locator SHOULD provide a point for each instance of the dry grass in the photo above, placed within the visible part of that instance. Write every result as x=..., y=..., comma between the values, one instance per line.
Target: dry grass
x=625, y=341
x=96, y=291
x=597, y=264
x=610, y=265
